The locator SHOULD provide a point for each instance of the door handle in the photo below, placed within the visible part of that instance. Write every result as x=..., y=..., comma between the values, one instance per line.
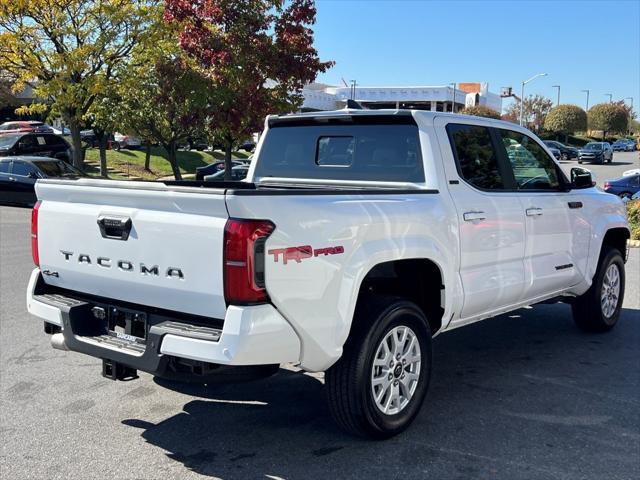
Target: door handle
x=471, y=216
x=11, y=179
x=534, y=212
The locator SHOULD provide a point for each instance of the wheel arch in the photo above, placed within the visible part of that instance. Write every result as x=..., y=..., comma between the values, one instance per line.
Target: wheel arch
x=419, y=280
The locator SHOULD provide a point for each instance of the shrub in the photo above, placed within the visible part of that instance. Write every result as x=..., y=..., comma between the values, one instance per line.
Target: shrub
x=608, y=118
x=633, y=216
x=566, y=120
x=480, y=111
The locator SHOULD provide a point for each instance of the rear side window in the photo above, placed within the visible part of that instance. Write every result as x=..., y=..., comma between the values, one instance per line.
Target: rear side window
x=348, y=151
x=476, y=158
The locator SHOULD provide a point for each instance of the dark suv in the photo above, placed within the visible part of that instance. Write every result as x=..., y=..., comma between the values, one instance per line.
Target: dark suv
x=35, y=144
x=566, y=152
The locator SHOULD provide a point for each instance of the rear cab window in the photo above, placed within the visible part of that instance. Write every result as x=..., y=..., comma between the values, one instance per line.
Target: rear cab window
x=364, y=148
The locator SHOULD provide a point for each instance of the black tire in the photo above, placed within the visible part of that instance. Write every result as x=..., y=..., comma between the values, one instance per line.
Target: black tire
x=348, y=383
x=580, y=162
x=587, y=308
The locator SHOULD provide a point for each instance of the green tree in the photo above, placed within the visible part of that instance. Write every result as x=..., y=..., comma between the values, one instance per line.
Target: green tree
x=256, y=54
x=566, y=120
x=67, y=49
x=480, y=111
x=608, y=118
x=161, y=96
x=535, y=110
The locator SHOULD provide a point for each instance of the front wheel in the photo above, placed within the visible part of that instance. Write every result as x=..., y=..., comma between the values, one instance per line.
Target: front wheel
x=598, y=309
x=377, y=387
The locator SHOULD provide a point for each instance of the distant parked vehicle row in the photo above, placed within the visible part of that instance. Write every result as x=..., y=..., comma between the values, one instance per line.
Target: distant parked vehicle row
x=596, y=152
x=624, y=145
x=18, y=176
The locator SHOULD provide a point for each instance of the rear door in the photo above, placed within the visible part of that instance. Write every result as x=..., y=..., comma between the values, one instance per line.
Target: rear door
x=492, y=229
x=145, y=243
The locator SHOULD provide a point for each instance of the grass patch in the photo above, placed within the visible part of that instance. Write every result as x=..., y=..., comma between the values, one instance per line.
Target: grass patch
x=131, y=162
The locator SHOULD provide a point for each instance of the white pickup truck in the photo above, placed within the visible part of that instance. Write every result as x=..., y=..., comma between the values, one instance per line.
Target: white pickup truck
x=357, y=237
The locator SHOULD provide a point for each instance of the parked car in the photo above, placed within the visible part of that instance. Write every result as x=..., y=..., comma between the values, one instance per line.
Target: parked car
x=247, y=146
x=35, y=144
x=596, y=152
x=16, y=127
x=60, y=131
x=18, y=176
x=126, y=141
x=556, y=153
x=631, y=145
x=238, y=173
x=213, y=168
x=568, y=152
x=624, y=187
x=356, y=239
x=619, y=146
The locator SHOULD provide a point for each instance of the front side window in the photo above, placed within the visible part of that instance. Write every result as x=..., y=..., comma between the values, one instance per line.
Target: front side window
x=4, y=167
x=533, y=168
x=476, y=157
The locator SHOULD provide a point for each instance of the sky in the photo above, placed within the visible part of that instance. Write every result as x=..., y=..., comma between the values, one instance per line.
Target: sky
x=581, y=45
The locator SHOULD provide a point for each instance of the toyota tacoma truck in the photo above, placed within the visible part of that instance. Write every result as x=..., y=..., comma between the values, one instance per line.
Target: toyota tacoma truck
x=357, y=237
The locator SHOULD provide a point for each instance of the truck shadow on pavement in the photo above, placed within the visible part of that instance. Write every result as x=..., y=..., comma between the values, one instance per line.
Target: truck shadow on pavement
x=525, y=395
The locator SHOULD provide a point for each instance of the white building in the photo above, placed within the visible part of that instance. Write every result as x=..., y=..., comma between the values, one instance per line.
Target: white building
x=436, y=98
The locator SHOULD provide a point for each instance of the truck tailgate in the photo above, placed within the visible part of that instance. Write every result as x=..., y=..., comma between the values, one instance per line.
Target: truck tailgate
x=171, y=257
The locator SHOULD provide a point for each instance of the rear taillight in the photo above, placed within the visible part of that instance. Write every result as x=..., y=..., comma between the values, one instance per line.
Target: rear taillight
x=244, y=260
x=34, y=234
x=606, y=185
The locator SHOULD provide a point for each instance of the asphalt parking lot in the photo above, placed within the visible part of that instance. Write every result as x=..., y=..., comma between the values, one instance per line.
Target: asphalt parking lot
x=522, y=396
x=621, y=162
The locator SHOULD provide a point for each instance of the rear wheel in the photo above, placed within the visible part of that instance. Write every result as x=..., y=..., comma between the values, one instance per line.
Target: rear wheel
x=598, y=309
x=377, y=387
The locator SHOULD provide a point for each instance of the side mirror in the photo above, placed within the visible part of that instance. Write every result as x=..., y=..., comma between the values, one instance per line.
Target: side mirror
x=581, y=178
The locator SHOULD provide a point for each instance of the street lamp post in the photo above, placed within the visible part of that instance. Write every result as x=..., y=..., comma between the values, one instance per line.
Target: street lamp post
x=522, y=93
x=587, y=91
x=558, y=87
x=610, y=95
x=453, y=102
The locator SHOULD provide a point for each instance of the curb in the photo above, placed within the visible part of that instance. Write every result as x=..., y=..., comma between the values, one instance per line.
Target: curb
x=634, y=243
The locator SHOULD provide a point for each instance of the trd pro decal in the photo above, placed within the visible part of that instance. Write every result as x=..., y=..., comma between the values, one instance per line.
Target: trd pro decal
x=300, y=253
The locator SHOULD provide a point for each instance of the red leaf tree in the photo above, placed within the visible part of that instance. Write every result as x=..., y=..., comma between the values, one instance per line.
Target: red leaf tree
x=256, y=54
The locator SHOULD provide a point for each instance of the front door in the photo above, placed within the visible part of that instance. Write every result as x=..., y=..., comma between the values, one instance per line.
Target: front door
x=553, y=231
x=492, y=225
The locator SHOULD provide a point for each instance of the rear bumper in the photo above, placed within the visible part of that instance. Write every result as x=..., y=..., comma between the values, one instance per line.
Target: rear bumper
x=253, y=335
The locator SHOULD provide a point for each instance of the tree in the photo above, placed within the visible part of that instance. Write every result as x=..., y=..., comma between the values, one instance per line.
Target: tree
x=66, y=49
x=256, y=54
x=608, y=118
x=480, y=111
x=161, y=96
x=566, y=120
x=535, y=109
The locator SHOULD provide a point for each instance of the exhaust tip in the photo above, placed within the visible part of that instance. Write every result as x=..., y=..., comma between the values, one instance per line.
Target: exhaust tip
x=57, y=342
